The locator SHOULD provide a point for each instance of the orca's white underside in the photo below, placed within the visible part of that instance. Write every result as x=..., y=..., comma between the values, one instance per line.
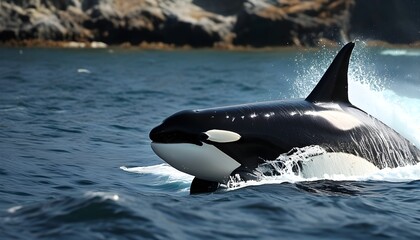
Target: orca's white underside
x=330, y=164
x=209, y=163
x=205, y=162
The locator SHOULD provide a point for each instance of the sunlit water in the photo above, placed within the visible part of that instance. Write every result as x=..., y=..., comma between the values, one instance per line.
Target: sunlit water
x=76, y=159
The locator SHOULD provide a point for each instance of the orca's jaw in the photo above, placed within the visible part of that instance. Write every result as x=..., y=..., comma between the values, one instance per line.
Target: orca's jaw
x=205, y=162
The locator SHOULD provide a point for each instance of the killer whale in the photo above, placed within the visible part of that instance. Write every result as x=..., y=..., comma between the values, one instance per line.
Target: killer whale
x=217, y=143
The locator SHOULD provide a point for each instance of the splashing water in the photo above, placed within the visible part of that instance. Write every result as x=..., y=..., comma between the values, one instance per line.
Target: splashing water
x=163, y=169
x=367, y=90
x=166, y=174
x=286, y=168
x=361, y=70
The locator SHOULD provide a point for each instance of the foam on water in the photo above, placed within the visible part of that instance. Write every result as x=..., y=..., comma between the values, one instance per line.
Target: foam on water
x=164, y=170
x=165, y=176
x=400, y=174
x=103, y=195
x=401, y=52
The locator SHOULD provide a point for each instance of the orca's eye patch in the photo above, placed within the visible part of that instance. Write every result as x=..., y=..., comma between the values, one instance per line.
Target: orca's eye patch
x=221, y=136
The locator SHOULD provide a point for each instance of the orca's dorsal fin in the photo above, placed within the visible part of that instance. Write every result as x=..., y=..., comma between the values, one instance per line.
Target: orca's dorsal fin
x=333, y=86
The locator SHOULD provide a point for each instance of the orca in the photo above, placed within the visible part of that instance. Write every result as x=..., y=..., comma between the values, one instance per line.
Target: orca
x=217, y=143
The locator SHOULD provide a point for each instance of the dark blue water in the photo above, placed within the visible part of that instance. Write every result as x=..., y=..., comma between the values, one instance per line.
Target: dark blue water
x=70, y=119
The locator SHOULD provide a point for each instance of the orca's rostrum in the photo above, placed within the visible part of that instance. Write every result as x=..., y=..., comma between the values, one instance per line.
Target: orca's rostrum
x=214, y=144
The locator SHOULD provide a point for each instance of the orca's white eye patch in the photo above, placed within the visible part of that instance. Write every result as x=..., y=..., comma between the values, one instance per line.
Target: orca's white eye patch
x=222, y=136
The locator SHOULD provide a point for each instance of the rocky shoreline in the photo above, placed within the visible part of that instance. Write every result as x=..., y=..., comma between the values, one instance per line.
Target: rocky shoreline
x=222, y=24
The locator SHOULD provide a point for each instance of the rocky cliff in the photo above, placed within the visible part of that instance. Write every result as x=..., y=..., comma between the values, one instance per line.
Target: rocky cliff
x=393, y=21
x=196, y=23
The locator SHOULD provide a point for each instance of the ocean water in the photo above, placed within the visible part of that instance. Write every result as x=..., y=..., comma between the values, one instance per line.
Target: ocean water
x=76, y=162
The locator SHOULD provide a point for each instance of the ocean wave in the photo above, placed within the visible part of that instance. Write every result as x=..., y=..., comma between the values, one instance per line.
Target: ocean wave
x=401, y=52
x=171, y=175
x=163, y=169
x=332, y=208
x=95, y=214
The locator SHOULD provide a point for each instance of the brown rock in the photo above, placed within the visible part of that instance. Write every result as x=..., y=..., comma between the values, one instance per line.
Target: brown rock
x=208, y=23
x=291, y=22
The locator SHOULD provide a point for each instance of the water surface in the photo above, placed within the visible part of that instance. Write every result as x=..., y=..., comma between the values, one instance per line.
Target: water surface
x=76, y=161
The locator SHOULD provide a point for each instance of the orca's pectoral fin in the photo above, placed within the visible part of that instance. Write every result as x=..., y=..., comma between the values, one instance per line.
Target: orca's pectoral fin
x=203, y=186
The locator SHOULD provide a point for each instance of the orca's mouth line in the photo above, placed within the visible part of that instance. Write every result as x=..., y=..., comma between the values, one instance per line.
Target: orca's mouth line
x=177, y=137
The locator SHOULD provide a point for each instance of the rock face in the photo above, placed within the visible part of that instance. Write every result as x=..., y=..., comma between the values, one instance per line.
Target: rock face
x=198, y=23
x=46, y=20
x=393, y=21
x=263, y=23
x=113, y=21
